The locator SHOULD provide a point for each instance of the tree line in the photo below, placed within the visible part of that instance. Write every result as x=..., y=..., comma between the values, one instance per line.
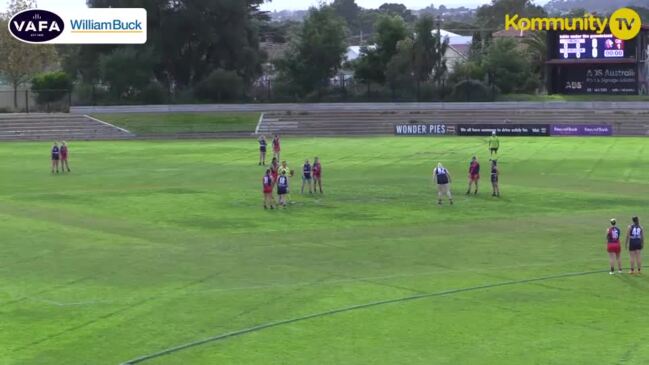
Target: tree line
x=209, y=50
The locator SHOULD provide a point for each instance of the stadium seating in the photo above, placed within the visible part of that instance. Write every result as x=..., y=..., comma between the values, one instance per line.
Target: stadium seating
x=56, y=127
x=363, y=122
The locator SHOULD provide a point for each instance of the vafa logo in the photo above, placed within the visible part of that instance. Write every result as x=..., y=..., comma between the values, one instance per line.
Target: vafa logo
x=36, y=26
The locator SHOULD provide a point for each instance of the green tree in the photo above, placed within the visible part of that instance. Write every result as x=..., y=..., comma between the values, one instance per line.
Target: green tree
x=187, y=40
x=537, y=52
x=492, y=16
x=508, y=67
x=18, y=60
x=400, y=72
x=317, y=53
x=368, y=68
x=349, y=11
x=399, y=10
x=127, y=71
x=51, y=86
x=390, y=29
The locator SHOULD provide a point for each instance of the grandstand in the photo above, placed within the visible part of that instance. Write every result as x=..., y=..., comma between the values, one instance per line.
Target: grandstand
x=57, y=127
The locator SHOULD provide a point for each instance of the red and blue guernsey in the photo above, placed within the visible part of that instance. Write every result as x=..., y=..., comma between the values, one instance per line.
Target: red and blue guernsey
x=317, y=169
x=267, y=183
x=474, y=168
x=613, y=235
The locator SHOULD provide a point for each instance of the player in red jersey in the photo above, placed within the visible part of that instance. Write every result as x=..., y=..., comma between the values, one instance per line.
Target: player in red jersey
x=274, y=169
x=267, y=183
x=317, y=174
x=276, y=147
x=474, y=175
x=64, y=157
x=613, y=247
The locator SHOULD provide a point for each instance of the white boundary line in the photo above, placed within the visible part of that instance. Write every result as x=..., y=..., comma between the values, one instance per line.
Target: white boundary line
x=108, y=124
x=261, y=118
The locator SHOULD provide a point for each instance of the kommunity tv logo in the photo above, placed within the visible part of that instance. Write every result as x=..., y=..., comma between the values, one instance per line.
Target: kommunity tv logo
x=624, y=23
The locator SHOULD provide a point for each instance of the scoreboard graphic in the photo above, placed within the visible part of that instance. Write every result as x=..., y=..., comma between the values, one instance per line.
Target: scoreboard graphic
x=590, y=46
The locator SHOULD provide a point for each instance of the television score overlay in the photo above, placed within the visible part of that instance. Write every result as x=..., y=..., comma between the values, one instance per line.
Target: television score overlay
x=581, y=130
x=532, y=130
x=80, y=26
x=420, y=129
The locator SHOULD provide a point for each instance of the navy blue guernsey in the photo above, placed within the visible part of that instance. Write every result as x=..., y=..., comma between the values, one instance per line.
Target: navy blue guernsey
x=306, y=170
x=282, y=182
x=442, y=176
x=635, y=234
x=55, y=151
x=262, y=144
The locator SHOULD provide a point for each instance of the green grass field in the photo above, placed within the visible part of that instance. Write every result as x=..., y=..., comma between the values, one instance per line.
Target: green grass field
x=151, y=245
x=172, y=123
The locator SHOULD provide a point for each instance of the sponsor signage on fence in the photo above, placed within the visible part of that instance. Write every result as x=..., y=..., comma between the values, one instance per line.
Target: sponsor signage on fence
x=80, y=26
x=581, y=130
x=503, y=129
x=418, y=129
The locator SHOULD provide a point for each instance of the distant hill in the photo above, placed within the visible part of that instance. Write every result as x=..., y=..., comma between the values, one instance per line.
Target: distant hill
x=599, y=6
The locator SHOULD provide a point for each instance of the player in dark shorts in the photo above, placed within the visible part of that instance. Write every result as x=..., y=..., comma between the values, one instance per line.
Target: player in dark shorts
x=306, y=176
x=276, y=147
x=64, y=157
x=495, y=173
x=317, y=174
x=262, y=150
x=56, y=155
x=474, y=175
x=282, y=188
x=634, y=243
x=274, y=169
x=613, y=247
x=267, y=184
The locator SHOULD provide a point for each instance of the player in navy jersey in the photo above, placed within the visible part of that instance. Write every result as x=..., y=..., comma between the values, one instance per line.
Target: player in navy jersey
x=262, y=150
x=306, y=176
x=282, y=188
x=613, y=246
x=495, y=174
x=56, y=155
x=474, y=175
x=634, y=243
x=442, y=178
x=267, y=185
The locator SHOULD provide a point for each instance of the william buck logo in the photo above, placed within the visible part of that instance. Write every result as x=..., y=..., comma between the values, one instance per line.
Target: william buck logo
x=36, y=26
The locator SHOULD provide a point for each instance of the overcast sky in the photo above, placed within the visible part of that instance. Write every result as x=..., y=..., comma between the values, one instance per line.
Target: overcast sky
x=291, y=4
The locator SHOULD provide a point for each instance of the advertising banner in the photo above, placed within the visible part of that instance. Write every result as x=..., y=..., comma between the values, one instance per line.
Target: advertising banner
x=420, y=129
x=581, y=130
x=503, y=129
x=598, y=79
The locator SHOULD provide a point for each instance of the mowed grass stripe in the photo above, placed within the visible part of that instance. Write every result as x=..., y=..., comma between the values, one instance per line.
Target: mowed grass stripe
x=137, y=222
